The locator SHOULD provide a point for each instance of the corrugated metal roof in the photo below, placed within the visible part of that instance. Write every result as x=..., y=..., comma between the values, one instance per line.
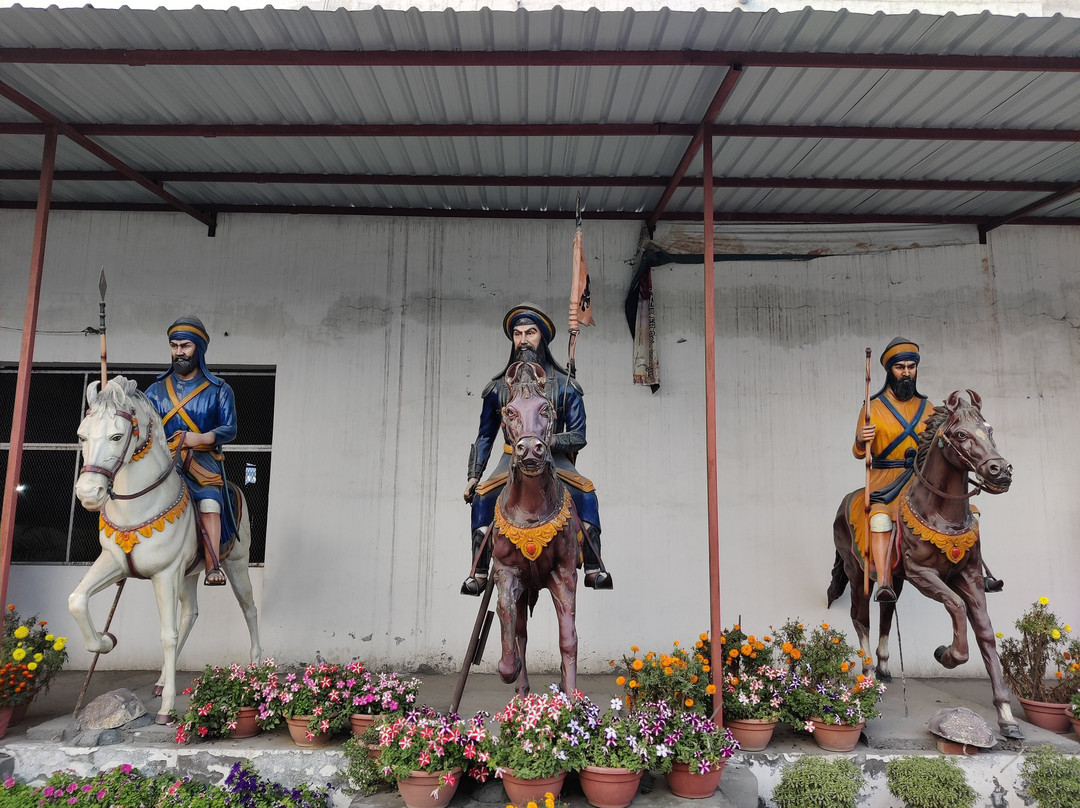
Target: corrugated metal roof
x=802, y=98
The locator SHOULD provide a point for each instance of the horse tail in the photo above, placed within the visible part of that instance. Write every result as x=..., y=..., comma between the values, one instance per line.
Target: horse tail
x=839, y=579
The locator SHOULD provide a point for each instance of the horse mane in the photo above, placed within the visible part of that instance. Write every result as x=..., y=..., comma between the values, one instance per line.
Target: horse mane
x=525, y=383
x=115, y=396
x=933, y=423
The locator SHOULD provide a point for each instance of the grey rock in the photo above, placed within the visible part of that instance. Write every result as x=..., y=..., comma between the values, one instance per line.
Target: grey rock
x=111, y=710
x=7, y=766
x=961, y=725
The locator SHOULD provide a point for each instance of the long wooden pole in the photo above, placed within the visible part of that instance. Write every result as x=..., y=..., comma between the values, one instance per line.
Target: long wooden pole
x=866, y=487
x=716, y=661
x=26, y=362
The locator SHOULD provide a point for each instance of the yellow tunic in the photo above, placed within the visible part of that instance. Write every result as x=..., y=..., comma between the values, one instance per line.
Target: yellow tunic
x=888, y=430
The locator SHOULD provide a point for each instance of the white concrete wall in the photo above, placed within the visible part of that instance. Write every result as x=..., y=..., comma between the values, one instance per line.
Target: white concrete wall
x=385, y=331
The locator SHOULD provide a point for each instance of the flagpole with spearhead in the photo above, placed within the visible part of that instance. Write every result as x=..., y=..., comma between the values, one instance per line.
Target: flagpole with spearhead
x=102, y=287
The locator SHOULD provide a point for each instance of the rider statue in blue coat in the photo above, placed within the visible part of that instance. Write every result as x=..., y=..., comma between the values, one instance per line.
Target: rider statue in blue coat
x=199, y=414
x=531, y=332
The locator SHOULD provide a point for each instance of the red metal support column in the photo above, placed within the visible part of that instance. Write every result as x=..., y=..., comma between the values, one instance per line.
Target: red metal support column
x=716, y=661
x=26, y=361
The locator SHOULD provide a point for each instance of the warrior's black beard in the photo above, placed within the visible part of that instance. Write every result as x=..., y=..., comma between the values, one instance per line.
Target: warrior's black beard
x=184, y=365
x=903, y=389
x=526, y=353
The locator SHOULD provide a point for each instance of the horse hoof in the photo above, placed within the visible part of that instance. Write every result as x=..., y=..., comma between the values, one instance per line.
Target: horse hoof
x=158, y=690
x=510, y=675
x=1012, y=732
x=884, y=676
x=162, y=719
x=112, y=637
x=939, y=653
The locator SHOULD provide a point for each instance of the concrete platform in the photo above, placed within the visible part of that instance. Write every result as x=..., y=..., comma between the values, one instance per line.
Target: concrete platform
x=37, y=747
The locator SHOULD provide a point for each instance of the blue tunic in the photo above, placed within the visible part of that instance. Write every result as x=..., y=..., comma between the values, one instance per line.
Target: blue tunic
x=569, y=439
x=211, y=410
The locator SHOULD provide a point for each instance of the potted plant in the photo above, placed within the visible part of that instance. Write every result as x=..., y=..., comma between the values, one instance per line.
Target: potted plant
x=929, y=782
x=690, y=749
x=532, y=750
x=426, y=752
x=753, y=688
x=372, y=695
x=824, y=694
x=680, y=678
x=1074, y=710
x=814, y=781
x=313, y=703
x=1052, y=778
x=233, y=701
x=29, y=641
x=609, y=753
x=1025, y=661
x=17, y=682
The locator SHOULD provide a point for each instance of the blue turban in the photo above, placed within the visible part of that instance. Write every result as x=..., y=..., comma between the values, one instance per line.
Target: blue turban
x=530, y=313
x=190, y=327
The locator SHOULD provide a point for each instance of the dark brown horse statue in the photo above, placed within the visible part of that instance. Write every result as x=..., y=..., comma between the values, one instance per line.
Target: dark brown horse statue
x=535, y=531
x=938, y=541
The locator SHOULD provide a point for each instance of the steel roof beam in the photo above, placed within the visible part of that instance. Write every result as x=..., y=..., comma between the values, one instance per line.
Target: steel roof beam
x=480, y=181
x=556, y=130
x=77, y=137
x=629, y=215
x=1065, y=193
x=723, y=93
x=537, y=58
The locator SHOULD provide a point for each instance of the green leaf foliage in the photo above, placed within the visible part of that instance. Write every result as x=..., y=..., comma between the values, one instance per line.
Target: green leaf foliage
x=929, y=782
x=817, y=782
x=1052, y=778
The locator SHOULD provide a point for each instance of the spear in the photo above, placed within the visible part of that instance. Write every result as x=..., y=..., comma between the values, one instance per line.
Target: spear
x=866, y=488
x=102, y=287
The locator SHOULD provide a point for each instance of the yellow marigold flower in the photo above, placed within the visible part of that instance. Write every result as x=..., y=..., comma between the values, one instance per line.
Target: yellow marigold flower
x=1055, y=634
x=38, y=657
x=689, y=702
x=825, y=626
x=18, y=654
x=710, y=689
x=999, y=635
x=1068, y=628
x=59, y=644
x=620, y=681
x=1044, y=601
x=549, y=800
x=800, y=626
x=22, y=632
x=633, y=683
x=531, y=804
x=703, y=635
x=33, y=666
x=638, y=664
x=49, y=638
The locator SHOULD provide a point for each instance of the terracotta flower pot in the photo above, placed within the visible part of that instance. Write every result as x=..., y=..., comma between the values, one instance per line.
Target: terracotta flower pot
x=522, y=791
x=247, y=724
x=837, y=737
x=1054, y=717
x=360, y=723
x=5, y=719
x=609, y=788
x=298, y=728
x=416, y=789
x=1075, y=723
x=753, y=734
x=685, y=781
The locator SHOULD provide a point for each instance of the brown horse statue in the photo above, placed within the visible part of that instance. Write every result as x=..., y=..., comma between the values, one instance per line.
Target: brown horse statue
x=535, y=531
x=938, y=538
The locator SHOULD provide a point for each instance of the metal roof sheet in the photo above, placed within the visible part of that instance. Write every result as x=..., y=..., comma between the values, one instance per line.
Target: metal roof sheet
x=800, y=97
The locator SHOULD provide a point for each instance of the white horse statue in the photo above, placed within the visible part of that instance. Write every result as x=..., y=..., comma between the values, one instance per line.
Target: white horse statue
x=147, y=526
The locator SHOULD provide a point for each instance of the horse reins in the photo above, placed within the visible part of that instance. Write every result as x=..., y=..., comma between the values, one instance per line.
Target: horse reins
x=942, y=440
x=110, y=473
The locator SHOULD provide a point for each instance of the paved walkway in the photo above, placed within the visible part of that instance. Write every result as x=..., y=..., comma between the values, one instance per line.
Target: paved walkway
x=37, y=749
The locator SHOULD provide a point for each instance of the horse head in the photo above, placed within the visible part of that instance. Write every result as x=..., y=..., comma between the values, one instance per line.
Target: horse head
x=967, y=441
x=108, y=437
x=528, y=418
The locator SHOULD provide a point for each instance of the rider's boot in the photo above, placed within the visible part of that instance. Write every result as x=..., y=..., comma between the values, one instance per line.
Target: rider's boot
x=880, y=547
x=476, y=583
x=210, y=535
x=596, y=576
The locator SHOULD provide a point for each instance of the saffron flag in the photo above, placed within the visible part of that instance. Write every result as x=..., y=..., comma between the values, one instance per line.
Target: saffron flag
x=580, y=295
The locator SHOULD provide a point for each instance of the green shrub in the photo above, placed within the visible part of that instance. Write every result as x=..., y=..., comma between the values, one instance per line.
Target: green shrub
x=1052, y=778
x=929, y=782
x=816, y=782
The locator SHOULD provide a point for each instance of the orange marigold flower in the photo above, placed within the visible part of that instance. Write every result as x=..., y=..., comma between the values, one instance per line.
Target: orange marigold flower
x=767, y=638
x=733, y=628
x=825, y=626
x=634, y=648
x=1058, y=674
x=699, y=644
x=860, y=678
x=746, y=649
x=710, y=689
x=786, y=647
x=689, y=702
x=668, y=671
x=734, y=681
x=620, y=681
x=638, y=664
x=800, y=626
x=706, y=668
x=796, y=653
x=734, y=652
x=845, y=668
x=693, y=679
x=633, y=683
x=703, y=635
x=836, y=640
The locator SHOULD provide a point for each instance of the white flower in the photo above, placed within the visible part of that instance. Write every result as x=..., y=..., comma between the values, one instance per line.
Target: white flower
x=662, y=750
x=616, y=704
x=809, y=726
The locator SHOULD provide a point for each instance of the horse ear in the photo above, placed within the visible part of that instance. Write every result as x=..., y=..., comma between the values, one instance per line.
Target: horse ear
x=129, y=386
x=91, y=393
x=953, y=401
x=976, y=399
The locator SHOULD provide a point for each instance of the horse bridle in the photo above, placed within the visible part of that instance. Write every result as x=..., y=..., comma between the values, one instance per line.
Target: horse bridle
x=110, y=473
x=942, y=440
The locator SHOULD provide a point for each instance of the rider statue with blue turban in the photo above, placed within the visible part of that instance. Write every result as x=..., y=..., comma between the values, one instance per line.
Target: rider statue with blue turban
x=199, y=414
x=530, y=332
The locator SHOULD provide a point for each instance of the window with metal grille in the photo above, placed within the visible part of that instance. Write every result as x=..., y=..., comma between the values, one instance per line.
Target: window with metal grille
x=50, y=524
